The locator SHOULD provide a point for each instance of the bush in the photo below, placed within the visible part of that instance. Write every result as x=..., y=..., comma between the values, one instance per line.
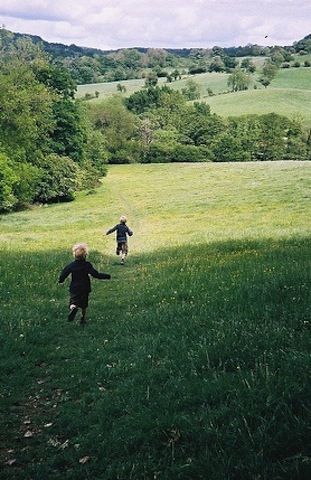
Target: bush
x=189, y=153
x=195, y=70
x=59, y=180
x=228, y=148
x=25, y=188
x=159, y=152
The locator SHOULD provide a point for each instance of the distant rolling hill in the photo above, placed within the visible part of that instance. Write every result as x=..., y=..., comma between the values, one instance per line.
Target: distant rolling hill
x=289, y=94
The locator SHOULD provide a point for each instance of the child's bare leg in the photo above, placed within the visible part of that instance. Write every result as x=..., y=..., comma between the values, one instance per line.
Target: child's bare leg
x=123, y=254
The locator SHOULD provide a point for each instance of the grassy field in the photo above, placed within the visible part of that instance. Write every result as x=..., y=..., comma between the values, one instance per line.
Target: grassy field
x=299, y=78
x=195, y=361
x=288, y=94
x=284, y=101
x=217, y=82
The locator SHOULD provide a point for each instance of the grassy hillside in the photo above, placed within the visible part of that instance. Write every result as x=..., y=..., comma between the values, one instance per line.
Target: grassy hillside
x=299, y=78
x=288, y=94
x=217, y=82
x=194, y=363
x=284, y=101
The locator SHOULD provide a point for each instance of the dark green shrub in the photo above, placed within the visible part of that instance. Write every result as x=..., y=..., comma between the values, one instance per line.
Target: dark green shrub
x=59, y=179
x=228, y=148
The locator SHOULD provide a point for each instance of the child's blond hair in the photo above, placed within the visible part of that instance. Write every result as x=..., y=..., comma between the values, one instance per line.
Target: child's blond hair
x=80, y=250
x=123, y=219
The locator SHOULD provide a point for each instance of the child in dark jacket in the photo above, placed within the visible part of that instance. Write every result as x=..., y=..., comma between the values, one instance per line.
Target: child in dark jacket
x=80, y=285
x=122, y=231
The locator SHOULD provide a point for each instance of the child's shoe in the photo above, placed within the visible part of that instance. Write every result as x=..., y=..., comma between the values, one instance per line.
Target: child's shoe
x=72, y=314
x=122, y=261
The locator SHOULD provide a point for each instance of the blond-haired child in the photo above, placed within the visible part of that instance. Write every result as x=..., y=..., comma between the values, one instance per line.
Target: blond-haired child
x=122, y=231
x=80, y=285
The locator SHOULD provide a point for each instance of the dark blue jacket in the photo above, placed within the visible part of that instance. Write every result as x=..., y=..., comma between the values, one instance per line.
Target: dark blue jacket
x=122, y=232
x=80, y=280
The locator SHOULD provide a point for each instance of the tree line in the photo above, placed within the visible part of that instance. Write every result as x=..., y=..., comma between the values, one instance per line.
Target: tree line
x=90, y=65
x=48, y=148
x=158, y=124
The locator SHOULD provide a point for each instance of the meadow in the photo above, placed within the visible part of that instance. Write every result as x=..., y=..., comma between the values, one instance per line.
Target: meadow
x=195, y=361
x=290, y=102
x=216, y=81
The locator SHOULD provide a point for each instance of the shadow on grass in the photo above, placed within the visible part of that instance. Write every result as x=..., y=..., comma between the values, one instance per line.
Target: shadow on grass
x=194, y=364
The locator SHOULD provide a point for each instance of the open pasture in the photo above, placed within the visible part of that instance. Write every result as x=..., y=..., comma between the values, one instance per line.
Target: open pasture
x=195, y=362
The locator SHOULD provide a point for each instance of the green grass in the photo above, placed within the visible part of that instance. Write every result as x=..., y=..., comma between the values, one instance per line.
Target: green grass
x=195, y=361
x=284, y=101
x=288, y=94
x=293, y=78
x=110, y=88
x=217, y=82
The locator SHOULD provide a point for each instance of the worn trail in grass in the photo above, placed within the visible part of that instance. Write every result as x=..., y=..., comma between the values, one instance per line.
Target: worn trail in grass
x=195, y=362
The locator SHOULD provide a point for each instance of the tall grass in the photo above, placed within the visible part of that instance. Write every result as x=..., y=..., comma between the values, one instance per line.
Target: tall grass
x=195, y=361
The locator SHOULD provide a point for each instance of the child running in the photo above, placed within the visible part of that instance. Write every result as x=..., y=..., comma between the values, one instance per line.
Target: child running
x=80, y=285
x=121, y=236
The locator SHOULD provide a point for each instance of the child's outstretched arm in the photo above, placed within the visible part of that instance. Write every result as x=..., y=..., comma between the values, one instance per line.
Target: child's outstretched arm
x=111, y=230
x=64, y=274
x=100, y=275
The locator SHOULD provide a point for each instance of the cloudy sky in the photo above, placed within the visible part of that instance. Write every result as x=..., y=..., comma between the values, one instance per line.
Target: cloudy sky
x=111, y=24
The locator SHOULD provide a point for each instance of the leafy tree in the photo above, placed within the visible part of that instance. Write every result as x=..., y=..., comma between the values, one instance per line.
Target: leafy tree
x=273, y=134
x=191, y=91
x=230, y=62
x=265, y=81
x=150, y=98
x=269, y=70
x=95, y=153
x=145, y=132
x=117, y=125
x=8, y=179
x=151, y=80
x=26, y=115
x=238, y=80
x=25, y=188
x=198, y=126
x=196, y=69
x=227, y=148
x=55, y=78
x=69, y=136
x=277, y=58
x=248, y=65
x=59, y=180
x=217, y=65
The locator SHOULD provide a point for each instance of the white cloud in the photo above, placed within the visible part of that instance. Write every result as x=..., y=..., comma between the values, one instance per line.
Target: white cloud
x=170, y=23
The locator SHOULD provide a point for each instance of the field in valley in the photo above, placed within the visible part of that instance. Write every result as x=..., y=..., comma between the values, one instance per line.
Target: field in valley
x=195, y=362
